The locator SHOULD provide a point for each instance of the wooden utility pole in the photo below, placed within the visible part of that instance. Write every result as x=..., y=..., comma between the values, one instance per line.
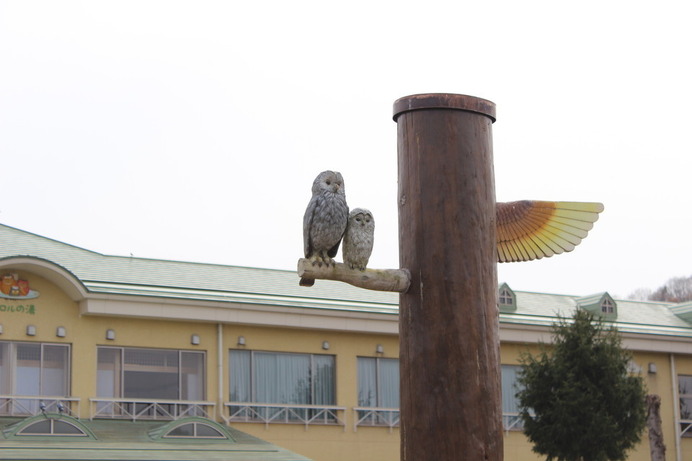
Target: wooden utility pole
x=450, y=372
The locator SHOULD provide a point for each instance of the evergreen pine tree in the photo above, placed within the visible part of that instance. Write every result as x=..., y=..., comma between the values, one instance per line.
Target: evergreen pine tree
x=577, y=400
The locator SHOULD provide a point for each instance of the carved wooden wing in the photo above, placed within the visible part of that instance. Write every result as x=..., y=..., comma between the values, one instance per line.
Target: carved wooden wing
x=531, y=229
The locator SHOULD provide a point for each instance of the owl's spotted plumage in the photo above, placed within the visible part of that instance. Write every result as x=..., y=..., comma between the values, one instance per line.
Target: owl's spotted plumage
x=325, y=220
x=359, y=238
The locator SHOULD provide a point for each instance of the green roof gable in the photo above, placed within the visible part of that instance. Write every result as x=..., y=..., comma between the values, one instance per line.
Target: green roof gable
x=683, y=310
x=601, y=304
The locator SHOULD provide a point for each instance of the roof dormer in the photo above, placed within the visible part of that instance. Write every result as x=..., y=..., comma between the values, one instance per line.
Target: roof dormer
x=506, y=299
x=683, y=310
x=601, y=304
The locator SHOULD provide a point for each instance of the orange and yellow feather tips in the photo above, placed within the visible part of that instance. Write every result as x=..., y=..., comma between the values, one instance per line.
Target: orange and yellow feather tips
x=531, y=229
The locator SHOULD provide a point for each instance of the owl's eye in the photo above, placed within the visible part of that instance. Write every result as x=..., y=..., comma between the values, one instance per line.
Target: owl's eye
x=358, y=219
x=329, y=181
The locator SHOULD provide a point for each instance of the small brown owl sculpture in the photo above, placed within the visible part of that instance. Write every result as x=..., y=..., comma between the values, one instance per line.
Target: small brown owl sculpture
x=359, y=238
x=325, y=219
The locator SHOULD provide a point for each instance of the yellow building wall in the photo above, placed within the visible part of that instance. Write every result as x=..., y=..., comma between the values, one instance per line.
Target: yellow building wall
x=53, y=309
x=321, y=443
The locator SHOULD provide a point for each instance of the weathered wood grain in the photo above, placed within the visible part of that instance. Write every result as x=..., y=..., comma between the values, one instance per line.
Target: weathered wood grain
x=449, y=331
x=372, y=279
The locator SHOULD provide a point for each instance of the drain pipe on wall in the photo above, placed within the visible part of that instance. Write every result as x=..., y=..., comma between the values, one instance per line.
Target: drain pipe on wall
x=219, y=370
x=676, y=406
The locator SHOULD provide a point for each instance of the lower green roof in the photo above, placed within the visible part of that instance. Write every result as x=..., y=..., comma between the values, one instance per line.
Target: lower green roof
x=127, y=440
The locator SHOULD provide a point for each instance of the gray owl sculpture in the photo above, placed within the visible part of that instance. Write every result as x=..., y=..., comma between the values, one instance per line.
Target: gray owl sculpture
x=325, y=220
x=359, y=238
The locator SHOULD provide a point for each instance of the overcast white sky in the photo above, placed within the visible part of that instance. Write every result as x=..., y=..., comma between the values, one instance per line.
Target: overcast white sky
x=192, y=130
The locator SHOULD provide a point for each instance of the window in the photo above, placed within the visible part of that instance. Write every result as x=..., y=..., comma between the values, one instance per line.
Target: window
x=378, y=390
x=195, y=430
x=378, y=382
x=510, y=403
x=155, y=374
x=280, y=378
x=685, y=391
x=506, y=298
x=607, y=306
x=51, y=426
x=192, y=428
x=32, y=369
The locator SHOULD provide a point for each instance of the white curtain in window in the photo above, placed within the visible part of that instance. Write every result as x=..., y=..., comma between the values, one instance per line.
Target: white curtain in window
x=378, y=382
x=28, y=371
x=282, y=378
x=510, y=403
x=389, y=383
x=33, y=369
x=239, y=366
x=324, y=377
x=367, y=382
x=268, y=377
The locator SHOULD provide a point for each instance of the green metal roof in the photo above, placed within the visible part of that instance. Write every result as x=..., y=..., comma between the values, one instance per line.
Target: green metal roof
x=105, y=274
x=152, y=277
x=127, y=440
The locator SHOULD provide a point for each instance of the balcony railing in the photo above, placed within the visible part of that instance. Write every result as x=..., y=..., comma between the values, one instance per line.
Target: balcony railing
x=512, y=422
x=374, y=416
x=270, y=413
x=29, y=405
x=148, y=409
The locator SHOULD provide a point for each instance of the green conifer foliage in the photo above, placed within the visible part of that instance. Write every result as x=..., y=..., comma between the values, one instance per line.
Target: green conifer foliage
x=577, y=399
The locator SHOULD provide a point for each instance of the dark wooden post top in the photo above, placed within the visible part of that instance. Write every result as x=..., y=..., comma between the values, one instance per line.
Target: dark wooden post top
x=444, y=101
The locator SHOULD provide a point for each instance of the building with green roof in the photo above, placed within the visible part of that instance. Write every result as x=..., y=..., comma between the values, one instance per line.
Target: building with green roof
x=129, y=349
x=55, y=436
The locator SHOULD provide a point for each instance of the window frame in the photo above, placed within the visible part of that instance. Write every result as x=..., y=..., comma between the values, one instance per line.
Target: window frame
x=251, y=373
x=378, y=380
x=120, y=385
x=246, y=407
x=607, y=306
x=510, y=419
x=378, y=415
x=22, y=432
x=13, y=392
x=195, y=425
x=685, y=424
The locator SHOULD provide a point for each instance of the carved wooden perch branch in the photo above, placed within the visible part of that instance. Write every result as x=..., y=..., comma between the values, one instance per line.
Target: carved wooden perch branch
x=371, y=279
